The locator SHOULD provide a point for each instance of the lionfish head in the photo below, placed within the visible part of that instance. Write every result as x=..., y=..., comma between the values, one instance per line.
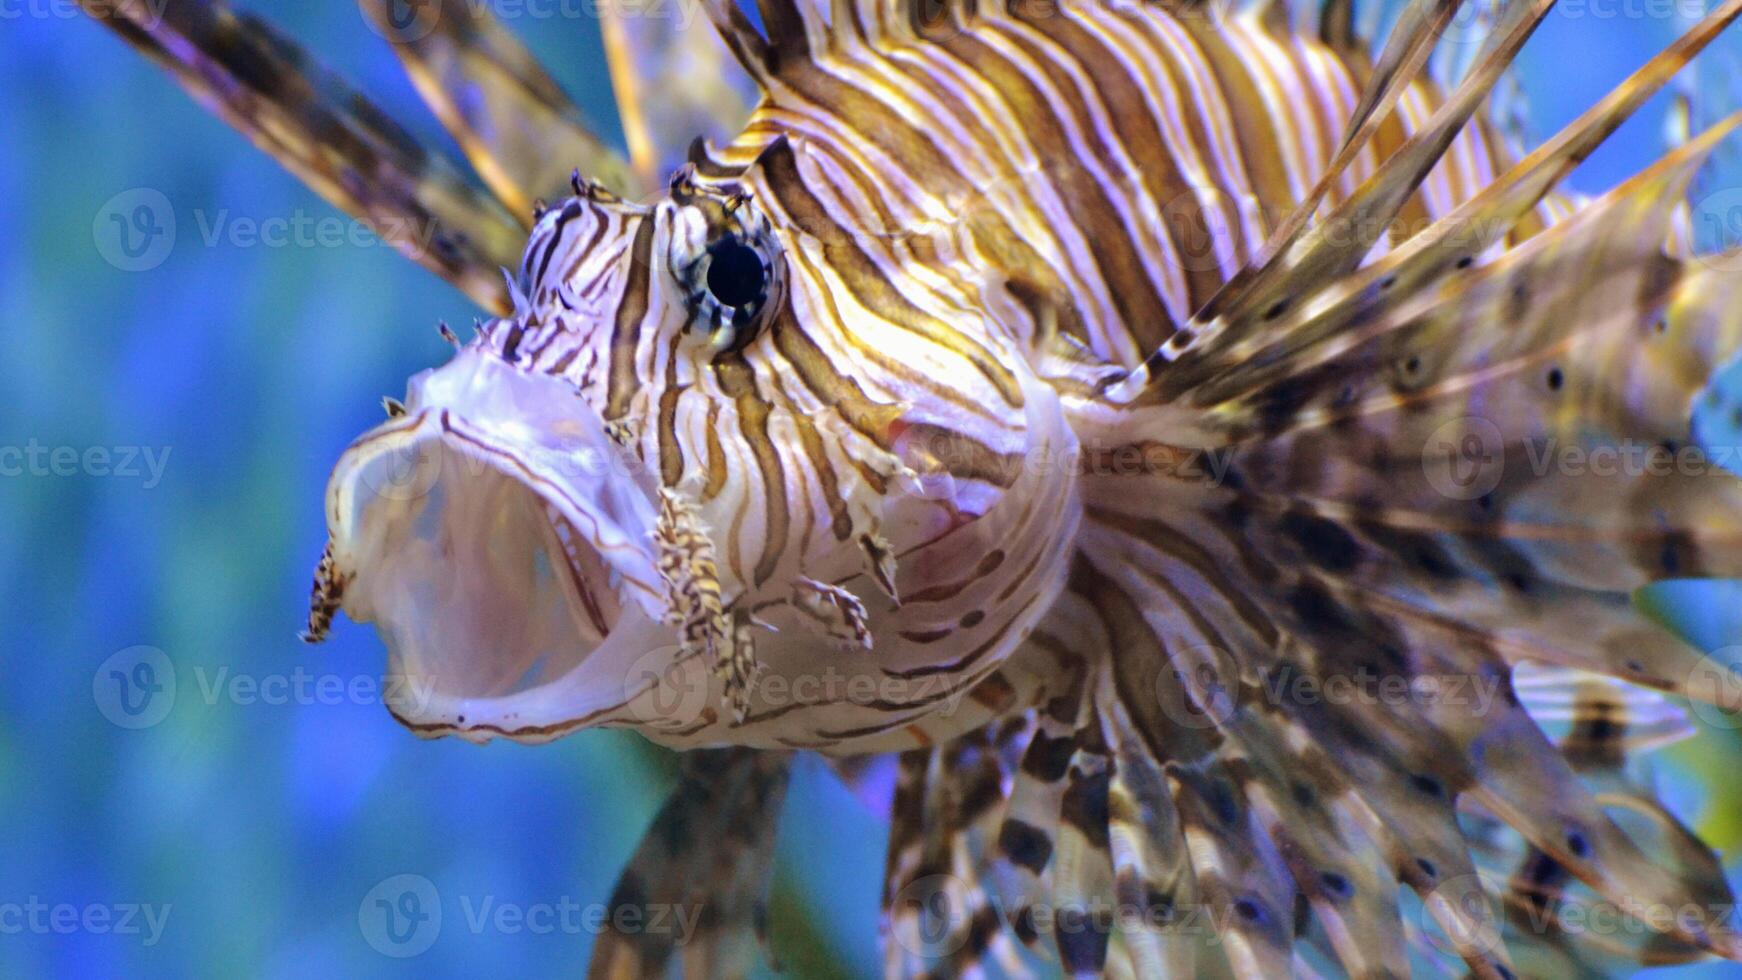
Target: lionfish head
x=688, y=484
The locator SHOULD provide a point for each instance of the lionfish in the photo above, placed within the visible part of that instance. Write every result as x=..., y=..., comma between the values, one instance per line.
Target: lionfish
x=1116, y=413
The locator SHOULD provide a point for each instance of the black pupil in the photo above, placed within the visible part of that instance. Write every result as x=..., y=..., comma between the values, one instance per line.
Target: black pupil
x=735, y=273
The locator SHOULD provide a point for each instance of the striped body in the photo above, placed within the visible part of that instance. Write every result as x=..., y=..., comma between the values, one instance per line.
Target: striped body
x=1117, y=162
x=960, y=221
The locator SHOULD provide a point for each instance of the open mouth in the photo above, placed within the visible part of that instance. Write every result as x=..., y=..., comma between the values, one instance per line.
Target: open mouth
x=501, y=542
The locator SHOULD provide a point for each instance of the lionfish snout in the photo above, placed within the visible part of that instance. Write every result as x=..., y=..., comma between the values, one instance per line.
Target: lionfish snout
x=501, y=541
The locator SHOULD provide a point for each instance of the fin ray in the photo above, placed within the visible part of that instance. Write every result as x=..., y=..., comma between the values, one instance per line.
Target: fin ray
x=330, y=137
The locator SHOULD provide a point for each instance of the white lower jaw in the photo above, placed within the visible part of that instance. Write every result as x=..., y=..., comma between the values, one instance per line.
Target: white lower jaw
x=604, y=687
x=501, y=542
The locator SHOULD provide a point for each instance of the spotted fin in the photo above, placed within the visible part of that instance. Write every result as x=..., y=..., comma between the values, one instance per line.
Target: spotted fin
x=1297, y=807
x=707, y=857
x=1599, y=719
x=1541, y=565
x=1151, y=865
x=1556, y=924
x=1186, y=808
x=1609, y=340
x=330, y=137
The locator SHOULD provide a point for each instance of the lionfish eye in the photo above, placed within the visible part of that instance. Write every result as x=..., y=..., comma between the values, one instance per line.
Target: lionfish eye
x=736, y=275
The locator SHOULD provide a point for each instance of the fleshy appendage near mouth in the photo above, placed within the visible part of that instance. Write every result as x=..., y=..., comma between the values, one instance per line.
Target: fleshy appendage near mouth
x=501, y=542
